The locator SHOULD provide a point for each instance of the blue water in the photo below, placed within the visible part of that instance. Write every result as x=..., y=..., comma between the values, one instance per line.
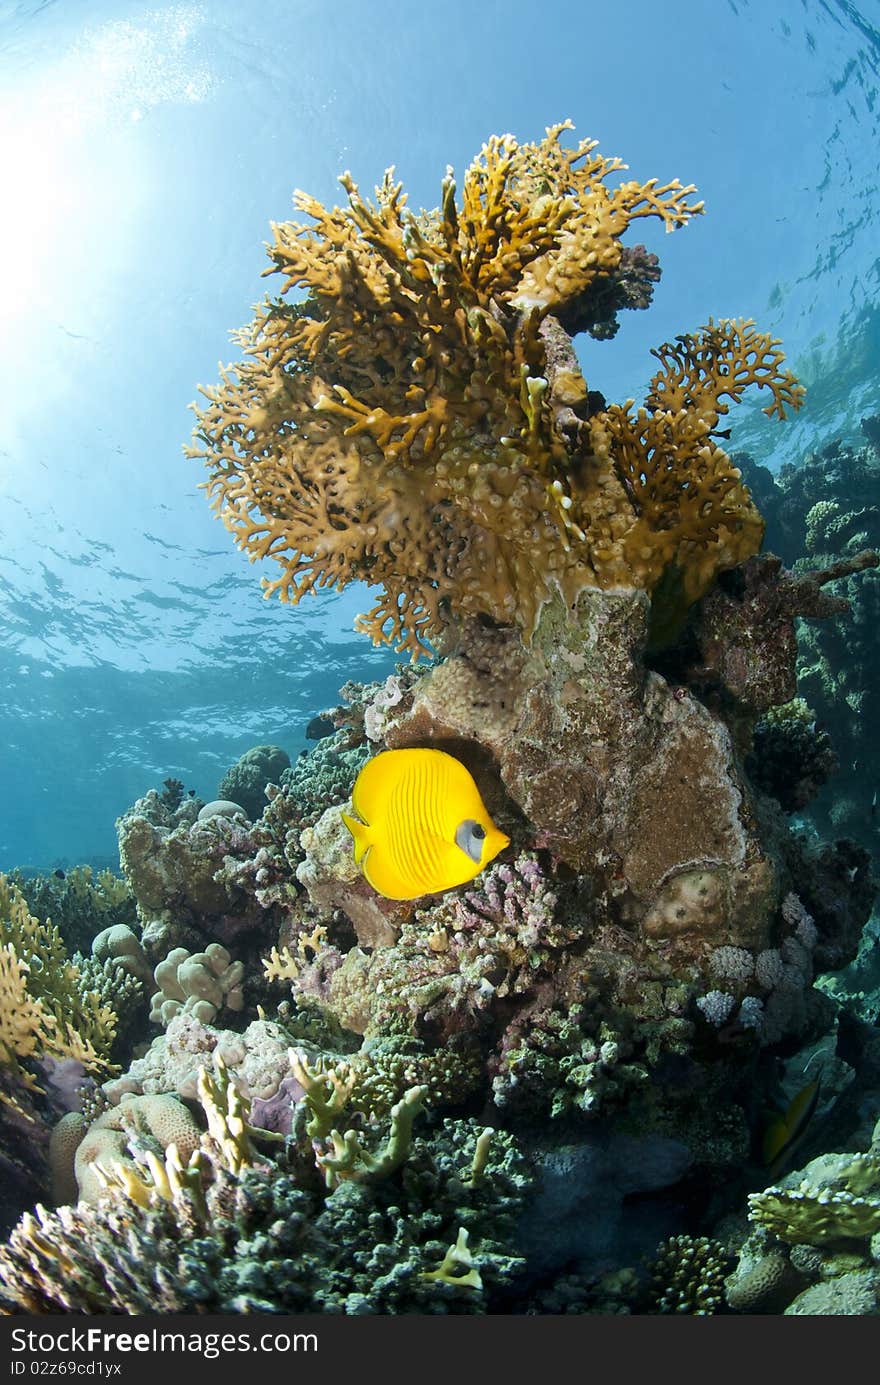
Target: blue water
x=145, y=150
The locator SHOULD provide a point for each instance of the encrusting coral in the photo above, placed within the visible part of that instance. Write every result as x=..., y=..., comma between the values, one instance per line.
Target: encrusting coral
x=419, y=421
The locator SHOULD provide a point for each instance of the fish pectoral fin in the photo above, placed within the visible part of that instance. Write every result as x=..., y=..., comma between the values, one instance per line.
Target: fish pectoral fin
x=361, y=834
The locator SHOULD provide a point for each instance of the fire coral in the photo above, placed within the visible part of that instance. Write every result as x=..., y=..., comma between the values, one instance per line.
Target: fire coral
x=417, y=419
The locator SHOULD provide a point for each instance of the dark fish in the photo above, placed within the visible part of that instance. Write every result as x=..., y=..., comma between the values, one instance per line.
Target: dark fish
x=59, y=875
x=786, y=1131
x=319, y=727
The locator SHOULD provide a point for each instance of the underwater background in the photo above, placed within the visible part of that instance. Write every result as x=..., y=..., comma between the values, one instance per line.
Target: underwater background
x=145, y=151
x=542, y=976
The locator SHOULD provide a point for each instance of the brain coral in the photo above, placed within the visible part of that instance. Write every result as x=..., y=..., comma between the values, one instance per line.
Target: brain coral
x=417, y=418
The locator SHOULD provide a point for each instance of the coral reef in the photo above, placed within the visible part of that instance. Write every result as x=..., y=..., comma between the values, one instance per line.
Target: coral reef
x=687, y=1276
x=246, y=781
x=819, y=513
x=44, y=1010
x=225, y=1230
x=54, y=1025
x=629, y=988
x=815, y=1244
x=79, y=902
x=419, y=420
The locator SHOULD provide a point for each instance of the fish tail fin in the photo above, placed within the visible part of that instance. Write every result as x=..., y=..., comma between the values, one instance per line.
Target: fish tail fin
x=361, y=834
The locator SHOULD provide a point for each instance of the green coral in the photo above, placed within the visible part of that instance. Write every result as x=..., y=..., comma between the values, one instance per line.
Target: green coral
x=687, y=1276
x=792, y=755
x=245, y=782
x=117, y=990
x=230, y=1233
x=324, y=775
x=385, y=1068
x=562, y=1060
x=836, y=1197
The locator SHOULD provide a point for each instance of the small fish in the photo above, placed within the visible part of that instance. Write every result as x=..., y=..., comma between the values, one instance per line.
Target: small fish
x=423, y=826
x=785, y=1131
x=319, y=727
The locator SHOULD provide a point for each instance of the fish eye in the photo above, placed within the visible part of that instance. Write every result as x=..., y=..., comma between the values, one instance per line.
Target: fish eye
x=469, y=835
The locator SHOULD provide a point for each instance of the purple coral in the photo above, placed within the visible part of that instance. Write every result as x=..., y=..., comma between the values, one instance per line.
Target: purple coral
x=517, y=895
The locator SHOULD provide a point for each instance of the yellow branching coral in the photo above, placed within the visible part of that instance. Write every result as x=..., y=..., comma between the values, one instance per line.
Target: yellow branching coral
x=419, y=421
x=458, y=1266
x=44, y=1011
x=284, y=966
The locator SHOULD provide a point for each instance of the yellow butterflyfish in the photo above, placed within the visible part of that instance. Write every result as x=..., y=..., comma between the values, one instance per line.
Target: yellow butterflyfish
x=423, y=826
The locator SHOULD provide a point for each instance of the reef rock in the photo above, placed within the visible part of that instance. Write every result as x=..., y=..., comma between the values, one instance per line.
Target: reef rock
x=623, y=777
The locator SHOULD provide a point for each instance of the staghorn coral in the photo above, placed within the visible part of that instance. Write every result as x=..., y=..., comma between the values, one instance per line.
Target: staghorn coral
x=419, y=420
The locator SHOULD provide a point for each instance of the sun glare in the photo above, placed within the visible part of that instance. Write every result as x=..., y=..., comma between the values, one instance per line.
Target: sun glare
x=70, y=165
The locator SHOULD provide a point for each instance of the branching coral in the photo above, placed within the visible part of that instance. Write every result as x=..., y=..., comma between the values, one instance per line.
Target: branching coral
x=79, y=902
x=419, y=420
x=226, y=1231
x=44, y=1010
x=687, y=1276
